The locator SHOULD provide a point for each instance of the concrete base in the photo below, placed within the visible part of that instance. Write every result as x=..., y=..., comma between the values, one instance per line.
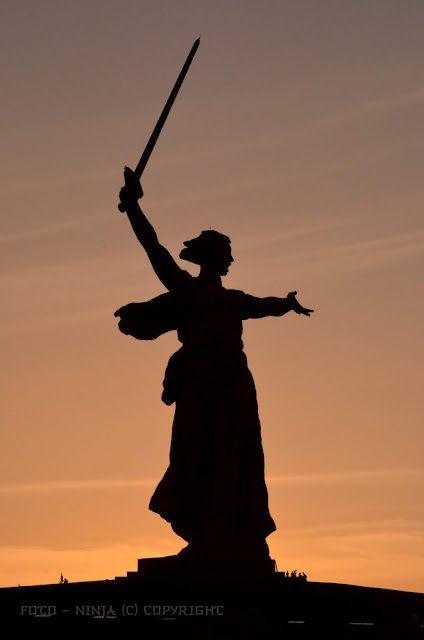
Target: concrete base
x=214, y=567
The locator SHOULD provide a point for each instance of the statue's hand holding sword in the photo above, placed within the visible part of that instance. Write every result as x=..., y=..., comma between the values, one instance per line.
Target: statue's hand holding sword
x=132, y=189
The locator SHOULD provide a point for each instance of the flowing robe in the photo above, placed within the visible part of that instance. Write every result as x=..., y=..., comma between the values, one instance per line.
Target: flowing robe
x=213, y=492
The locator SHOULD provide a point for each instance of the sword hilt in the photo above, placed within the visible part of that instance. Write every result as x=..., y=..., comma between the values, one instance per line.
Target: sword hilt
x=131, y=177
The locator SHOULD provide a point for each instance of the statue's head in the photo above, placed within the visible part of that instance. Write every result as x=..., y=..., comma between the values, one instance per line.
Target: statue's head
x=211, y=249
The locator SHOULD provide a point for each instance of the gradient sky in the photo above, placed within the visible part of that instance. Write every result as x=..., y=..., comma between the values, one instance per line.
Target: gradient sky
x=298, y=133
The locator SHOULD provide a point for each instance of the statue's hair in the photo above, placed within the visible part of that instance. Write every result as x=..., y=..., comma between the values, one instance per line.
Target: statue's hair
x=207, y=246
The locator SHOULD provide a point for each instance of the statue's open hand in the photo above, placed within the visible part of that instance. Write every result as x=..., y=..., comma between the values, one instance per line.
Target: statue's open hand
x=296, y=306
x=132, y=190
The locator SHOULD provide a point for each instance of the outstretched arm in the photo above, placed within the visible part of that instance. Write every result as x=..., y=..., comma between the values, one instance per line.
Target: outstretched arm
x=253, y=307
x=165, y=267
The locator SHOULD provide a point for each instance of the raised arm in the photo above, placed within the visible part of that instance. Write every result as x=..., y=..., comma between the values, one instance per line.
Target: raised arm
x=165, y=267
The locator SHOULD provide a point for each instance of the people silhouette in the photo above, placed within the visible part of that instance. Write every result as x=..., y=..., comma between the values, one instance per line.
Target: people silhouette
x=213, y=493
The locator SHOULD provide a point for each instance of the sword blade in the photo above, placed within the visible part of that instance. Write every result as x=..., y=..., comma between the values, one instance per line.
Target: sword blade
x=165, y=112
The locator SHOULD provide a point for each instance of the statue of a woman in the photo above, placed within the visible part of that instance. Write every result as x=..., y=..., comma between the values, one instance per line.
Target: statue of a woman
x=213, y=492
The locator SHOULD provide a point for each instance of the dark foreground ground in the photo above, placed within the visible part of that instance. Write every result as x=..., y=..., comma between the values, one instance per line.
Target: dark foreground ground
x=207, y=605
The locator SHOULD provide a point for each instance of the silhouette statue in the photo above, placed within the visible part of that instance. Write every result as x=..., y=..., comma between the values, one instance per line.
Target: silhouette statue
x=213, y=493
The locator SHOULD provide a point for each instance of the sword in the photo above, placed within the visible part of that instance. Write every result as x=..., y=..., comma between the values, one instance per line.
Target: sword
x=162, y=118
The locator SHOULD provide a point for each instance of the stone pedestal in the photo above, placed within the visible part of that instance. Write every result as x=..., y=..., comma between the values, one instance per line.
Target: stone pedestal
x=213, y=567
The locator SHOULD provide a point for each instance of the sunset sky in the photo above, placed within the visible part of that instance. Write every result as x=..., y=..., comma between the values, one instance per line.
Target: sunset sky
x=299, y=133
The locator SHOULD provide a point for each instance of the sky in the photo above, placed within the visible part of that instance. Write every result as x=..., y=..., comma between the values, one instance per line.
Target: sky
x=298, y=133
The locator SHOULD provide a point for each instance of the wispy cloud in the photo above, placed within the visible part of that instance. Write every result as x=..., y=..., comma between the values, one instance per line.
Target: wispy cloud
x=76, y=485
x=91, y=271
x=304, y=133
x=358, y=256
x=350, y=476
x=266, y=239
x=50, y=229
x=412, y=527
x=366, y=108
x=371, y=475
x=307, y=131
